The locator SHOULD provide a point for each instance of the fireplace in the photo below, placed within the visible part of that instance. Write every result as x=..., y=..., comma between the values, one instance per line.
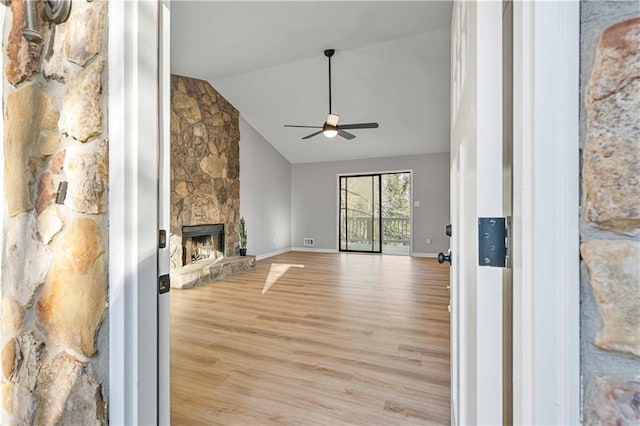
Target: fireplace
x=202, y=242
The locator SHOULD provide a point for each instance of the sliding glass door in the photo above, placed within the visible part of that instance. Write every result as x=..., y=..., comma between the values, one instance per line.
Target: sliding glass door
x=360, y=213
x=375, y=213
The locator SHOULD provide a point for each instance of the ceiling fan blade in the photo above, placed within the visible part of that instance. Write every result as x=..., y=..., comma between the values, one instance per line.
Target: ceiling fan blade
x=306, y=127
x=346, y=135
x=359, y=126
x=313, y=134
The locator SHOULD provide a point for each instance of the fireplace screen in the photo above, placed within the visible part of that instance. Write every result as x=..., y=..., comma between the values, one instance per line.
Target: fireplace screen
x=201, y=242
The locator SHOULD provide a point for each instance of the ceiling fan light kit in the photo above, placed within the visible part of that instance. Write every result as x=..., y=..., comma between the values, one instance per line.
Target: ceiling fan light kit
x=331, y=128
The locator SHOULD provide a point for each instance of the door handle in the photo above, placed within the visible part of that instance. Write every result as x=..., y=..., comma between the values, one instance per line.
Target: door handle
x=444, y=257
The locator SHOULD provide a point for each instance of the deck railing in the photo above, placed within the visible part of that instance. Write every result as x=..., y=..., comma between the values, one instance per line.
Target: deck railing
x=395, y=230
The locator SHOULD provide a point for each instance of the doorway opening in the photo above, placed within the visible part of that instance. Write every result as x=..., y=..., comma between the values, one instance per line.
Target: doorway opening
x=375, y=213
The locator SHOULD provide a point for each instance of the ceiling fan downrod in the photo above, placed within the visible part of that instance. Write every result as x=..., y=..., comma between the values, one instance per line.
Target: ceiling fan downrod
x=329, y=53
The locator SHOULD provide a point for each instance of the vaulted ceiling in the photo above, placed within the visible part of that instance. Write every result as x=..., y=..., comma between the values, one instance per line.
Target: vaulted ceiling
x=391, y=66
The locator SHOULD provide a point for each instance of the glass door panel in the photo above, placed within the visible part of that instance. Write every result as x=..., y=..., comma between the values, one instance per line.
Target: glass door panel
x=360, y=213
x=396, y=213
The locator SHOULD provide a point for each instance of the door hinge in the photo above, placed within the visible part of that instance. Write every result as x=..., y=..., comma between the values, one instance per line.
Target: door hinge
x=494, y=241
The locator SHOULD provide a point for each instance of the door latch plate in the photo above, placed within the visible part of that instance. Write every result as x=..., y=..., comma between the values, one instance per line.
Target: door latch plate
x=164, y=284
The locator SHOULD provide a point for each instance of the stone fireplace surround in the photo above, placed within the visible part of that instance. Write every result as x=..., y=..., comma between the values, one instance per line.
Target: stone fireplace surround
x=205, y=177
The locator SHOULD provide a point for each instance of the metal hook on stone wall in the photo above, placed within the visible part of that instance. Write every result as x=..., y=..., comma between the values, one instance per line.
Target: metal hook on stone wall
x=57, y=11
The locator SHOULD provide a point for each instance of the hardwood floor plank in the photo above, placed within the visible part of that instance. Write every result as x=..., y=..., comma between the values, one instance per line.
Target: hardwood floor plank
x=336, y=339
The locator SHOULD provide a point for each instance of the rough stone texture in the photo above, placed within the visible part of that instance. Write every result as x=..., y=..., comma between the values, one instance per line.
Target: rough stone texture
x=82, y=39
x=55, y=65
x=56, y=162
x=85, y=405
x=81, y=114
x=205, y=162
x=12, y=316
x=206, y=271
x=29, y=111
x=614, y=268
x=87, y=172
x=46, y=192
x=22, y=358
x=68, y=394
x=22, y=57
x=26, y=259
x=51, y=309
x=73, y=300
x=26, y=360
x=610, y=214
x=612, y=150
x=615, y=402
x=49, y=224
x=55, y=381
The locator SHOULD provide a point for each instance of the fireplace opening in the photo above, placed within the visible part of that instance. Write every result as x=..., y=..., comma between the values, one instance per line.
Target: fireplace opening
x=202, y=242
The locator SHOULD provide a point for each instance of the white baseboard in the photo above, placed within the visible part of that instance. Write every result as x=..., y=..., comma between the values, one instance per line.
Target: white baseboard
x=432, y=255
x=314, y=250
x=273, y=253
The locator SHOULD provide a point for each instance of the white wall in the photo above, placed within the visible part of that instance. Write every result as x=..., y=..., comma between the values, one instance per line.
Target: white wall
x=265, y=193
x=314, y=197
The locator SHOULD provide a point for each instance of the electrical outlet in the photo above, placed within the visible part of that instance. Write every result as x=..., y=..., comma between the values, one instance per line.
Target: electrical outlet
x=308, y=241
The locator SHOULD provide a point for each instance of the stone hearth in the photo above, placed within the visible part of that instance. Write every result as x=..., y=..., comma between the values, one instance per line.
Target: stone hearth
x=206, y=271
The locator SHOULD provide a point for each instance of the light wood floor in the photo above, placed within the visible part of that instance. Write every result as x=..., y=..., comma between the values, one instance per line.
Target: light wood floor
x=335, y=339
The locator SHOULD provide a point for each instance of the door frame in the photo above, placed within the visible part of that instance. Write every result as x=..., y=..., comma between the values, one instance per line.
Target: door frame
x=133, y=66
x=410, y=171
x=546, y=279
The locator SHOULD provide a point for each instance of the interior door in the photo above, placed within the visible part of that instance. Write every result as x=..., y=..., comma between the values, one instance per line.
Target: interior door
x=164, y=90
x=477, y=181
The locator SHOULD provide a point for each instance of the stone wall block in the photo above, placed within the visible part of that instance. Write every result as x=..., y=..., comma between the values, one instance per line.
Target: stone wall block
x=81, y=115
x=613, y=401
x=87, y=169
x=26, y=259
x=29, y=352
x=186, y=107
x=73, y=300
x=12, y=316
x=85, y=404
x=28, y=112
x=617, y=59
x=614, y=269
x=55, y=66
x=48, y=141
x=83, y=35
x=56, y=380
x=22, y=57
x=611, y=169
x=56, y=162
x=212, y=165
x=49, y=224
x=46, y=192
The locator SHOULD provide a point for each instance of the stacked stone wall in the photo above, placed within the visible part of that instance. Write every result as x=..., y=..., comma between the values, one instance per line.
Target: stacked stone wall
x=205, y=162
x=610, y=212
x=54, y=261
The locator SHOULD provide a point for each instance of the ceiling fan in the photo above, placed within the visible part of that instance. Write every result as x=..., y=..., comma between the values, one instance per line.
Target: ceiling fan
x=331, y=128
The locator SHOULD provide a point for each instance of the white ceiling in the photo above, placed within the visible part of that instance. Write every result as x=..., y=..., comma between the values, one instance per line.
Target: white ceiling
x=391, y=66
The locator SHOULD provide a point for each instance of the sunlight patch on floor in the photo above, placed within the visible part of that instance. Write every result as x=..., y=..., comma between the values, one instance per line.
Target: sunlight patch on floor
x=276, y=271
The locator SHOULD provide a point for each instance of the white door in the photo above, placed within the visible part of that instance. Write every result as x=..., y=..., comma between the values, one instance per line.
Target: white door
x=476, y=153
x=164, y=83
